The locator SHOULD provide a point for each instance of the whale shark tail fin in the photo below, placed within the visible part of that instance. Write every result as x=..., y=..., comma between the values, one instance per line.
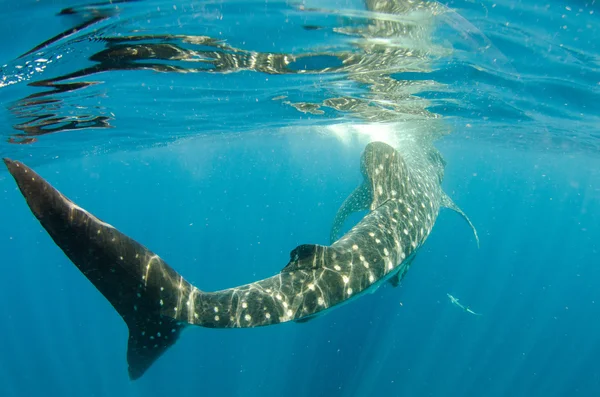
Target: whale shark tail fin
x=143, y=289
x=448, y=203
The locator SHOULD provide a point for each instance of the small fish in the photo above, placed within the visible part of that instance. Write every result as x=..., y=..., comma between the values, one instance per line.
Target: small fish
x=455, y=301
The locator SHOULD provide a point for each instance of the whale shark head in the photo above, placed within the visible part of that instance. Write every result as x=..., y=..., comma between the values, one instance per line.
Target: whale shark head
x=408, y=158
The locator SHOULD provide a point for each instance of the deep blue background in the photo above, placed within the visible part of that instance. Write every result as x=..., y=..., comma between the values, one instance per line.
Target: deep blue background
x=211, y=210
x=226, y=210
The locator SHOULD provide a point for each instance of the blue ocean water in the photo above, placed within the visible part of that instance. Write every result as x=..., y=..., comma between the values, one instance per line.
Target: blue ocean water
x=222, y=135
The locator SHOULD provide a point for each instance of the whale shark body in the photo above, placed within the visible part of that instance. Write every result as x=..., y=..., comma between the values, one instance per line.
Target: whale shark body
x=402, y=195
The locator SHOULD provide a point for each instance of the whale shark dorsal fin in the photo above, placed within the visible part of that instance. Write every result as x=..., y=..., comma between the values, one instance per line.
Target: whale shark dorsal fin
x=448, y=203
x=383, y=170
x=359, y=200
x=305, y=257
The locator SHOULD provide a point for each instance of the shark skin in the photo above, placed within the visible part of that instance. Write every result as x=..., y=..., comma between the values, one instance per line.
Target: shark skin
x=157, y=303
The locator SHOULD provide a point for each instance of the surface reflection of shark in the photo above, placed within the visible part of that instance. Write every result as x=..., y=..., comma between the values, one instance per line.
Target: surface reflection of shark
x=465, y=308
x=403, y=197
x=361, y=77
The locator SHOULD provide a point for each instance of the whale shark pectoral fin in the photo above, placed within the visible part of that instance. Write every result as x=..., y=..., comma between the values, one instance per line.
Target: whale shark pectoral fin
x=401, y=272
x=395, y=280
x=133, y=279
x=358, y=200
x=308, y=257
x=306, y=319
x=448, y=203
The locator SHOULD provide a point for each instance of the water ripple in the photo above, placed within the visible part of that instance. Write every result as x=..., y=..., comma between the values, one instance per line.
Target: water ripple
x=157, y=71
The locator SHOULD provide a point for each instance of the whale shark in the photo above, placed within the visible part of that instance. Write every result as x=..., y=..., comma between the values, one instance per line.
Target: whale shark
x=402, y=194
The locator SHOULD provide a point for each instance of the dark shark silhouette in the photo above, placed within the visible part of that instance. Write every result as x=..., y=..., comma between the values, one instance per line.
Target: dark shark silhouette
x=157, y=303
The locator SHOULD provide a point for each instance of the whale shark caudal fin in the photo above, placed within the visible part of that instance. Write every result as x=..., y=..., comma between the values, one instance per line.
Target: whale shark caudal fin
x=383, y=169
x=448, y=203
x=135, y=281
